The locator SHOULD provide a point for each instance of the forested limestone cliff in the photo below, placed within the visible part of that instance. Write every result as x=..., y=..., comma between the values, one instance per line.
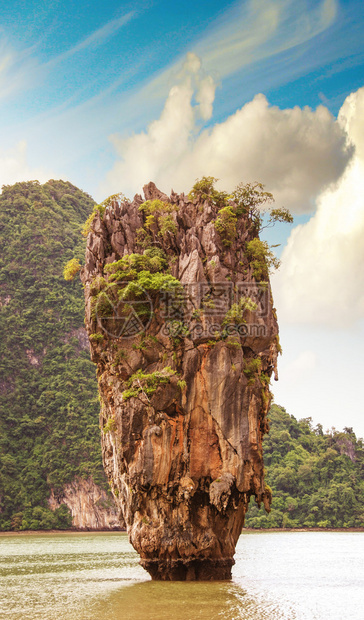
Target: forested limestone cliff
x=49, y=432
x=180, y=319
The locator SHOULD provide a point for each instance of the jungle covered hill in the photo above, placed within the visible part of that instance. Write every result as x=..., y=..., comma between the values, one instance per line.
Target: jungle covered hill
x=49, y=430
x=316, y=477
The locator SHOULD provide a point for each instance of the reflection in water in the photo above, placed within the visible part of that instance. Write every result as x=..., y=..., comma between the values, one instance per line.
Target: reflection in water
x=277, y=576
x=182, y=601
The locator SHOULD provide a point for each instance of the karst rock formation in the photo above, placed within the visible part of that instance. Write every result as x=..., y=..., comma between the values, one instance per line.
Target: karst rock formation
x=185, y=339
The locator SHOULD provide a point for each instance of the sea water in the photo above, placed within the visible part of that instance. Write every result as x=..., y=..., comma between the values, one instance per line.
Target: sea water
x=277, y=576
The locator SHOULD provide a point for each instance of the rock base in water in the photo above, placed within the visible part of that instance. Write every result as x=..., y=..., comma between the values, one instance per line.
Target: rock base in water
x=192, y=570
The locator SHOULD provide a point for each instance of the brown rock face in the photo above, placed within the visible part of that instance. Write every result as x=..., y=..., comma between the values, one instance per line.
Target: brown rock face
x=185, y=341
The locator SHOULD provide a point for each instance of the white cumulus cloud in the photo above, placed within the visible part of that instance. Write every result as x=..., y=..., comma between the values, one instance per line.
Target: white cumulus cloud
x=321, y=280
x=294, y=152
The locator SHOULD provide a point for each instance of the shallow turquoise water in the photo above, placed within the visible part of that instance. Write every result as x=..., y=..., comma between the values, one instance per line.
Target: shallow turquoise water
x=277, y=576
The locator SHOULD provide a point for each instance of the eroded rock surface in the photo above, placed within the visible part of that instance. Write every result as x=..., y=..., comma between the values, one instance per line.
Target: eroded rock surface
x=90, y=506
x=184, y=398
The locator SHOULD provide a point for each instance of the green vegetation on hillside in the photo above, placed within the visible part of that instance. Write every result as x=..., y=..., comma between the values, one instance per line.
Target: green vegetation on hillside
x=49, y=430
x=316, y=478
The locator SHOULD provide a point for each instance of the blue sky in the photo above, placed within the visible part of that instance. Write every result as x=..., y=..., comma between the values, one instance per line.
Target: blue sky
x=72, y=73
x=110, y=95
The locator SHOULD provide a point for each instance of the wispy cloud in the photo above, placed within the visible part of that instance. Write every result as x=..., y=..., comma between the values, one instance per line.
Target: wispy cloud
x=251, y=31
x=21, y=69
x=96, y=38
x=17, y=69
x=260, y=29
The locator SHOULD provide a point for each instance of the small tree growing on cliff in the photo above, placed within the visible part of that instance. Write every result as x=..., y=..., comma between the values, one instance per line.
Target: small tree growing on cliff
x=204, y=189
x=252, y=200
x=249, y=200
